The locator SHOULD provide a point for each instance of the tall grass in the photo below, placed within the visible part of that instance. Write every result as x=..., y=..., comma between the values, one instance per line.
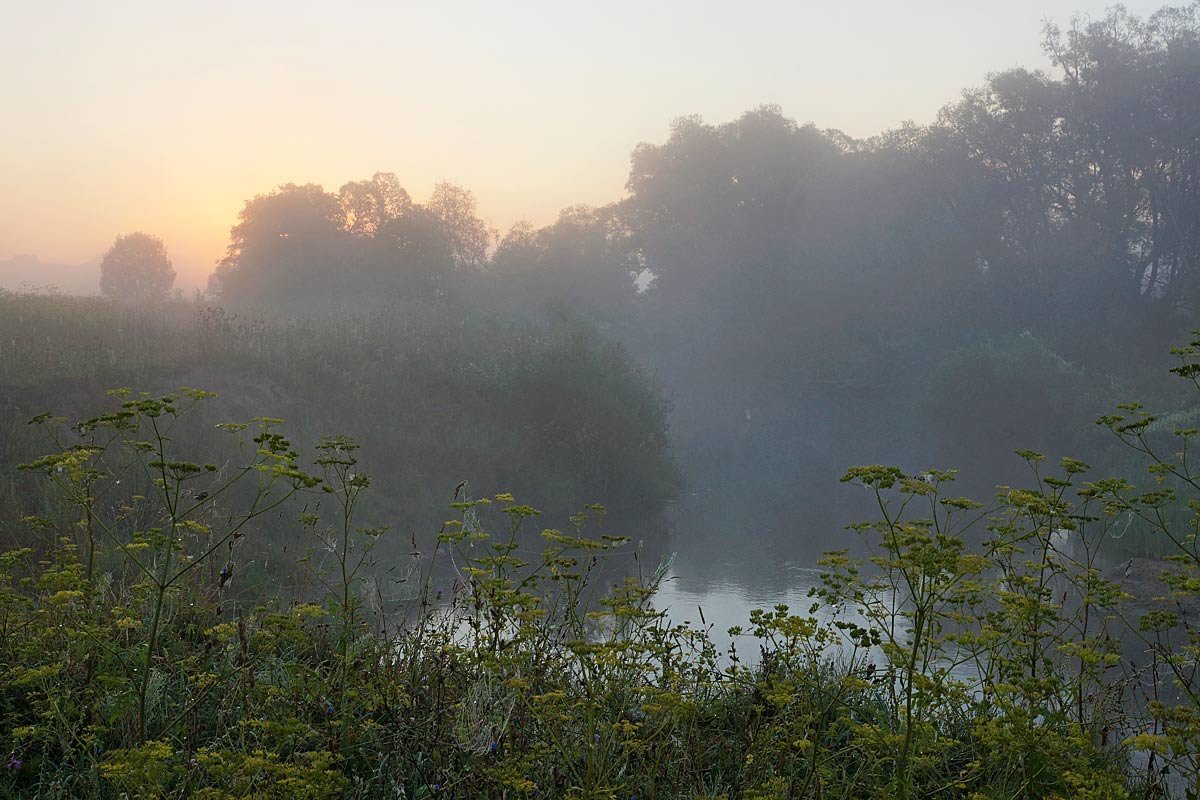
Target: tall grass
x=552, y=412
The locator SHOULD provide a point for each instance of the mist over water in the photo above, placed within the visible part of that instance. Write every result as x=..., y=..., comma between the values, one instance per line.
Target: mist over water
x=767, y=305
x=948, y=369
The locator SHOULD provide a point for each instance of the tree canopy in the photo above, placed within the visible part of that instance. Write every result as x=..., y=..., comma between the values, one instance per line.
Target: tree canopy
x=799, y=290
x=303, y=248
x=136, y=269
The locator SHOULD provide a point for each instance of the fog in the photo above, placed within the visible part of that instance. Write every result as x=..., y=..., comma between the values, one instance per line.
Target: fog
x=766, y=304
x=334, y=360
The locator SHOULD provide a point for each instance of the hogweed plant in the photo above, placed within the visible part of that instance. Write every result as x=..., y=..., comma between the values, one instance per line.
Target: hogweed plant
x=971, y=653
x=1168, y=507
x=1003, y=649
x=164, y=536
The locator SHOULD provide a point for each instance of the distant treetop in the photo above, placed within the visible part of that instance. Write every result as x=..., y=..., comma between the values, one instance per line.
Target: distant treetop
x=136, y=269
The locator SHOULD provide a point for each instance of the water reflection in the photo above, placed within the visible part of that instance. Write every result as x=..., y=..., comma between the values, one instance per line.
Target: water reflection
x=718, y=605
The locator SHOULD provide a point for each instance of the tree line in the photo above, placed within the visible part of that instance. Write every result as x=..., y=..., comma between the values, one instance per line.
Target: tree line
x=924, y=292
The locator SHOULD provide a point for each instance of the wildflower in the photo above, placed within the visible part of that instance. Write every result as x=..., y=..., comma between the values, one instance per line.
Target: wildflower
x=329, y=709
x=14, y=764
x=492, y=748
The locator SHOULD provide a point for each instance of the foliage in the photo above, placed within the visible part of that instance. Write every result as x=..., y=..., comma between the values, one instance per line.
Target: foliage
x=136, y=269
x=302, y=249
x=808, y=294
x=811, y=292
x=933, y=668
x=552, y=411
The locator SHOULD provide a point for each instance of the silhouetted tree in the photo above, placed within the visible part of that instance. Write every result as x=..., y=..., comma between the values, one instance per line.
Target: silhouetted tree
x=289, y=247
x=136, y=269
x=582, y=258
x=369, y=205
x=1084, y=187
x=811, y=290
x=470, y=238
x=303, y=249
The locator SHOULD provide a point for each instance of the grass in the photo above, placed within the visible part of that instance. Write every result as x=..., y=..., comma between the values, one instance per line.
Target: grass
x=551, y=412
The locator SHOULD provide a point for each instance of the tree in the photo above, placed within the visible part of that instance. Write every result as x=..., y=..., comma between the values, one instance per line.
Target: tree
x=369, y=205
x=415, y=255
x=136, y=269
x=288, y=247
x=583, y=261
x=469, y=236
x=1090, y=174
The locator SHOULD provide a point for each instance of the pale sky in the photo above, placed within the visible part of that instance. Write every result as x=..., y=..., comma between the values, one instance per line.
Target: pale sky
x=166, y=116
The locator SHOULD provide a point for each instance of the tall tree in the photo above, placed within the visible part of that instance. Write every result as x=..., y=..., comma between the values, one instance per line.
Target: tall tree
x=369, y=205
x=469, y=236
x=1090, y=176
x=137, y=269
x=289, y=247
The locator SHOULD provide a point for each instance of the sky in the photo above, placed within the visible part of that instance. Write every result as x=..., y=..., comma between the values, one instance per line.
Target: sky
x=166, y=116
